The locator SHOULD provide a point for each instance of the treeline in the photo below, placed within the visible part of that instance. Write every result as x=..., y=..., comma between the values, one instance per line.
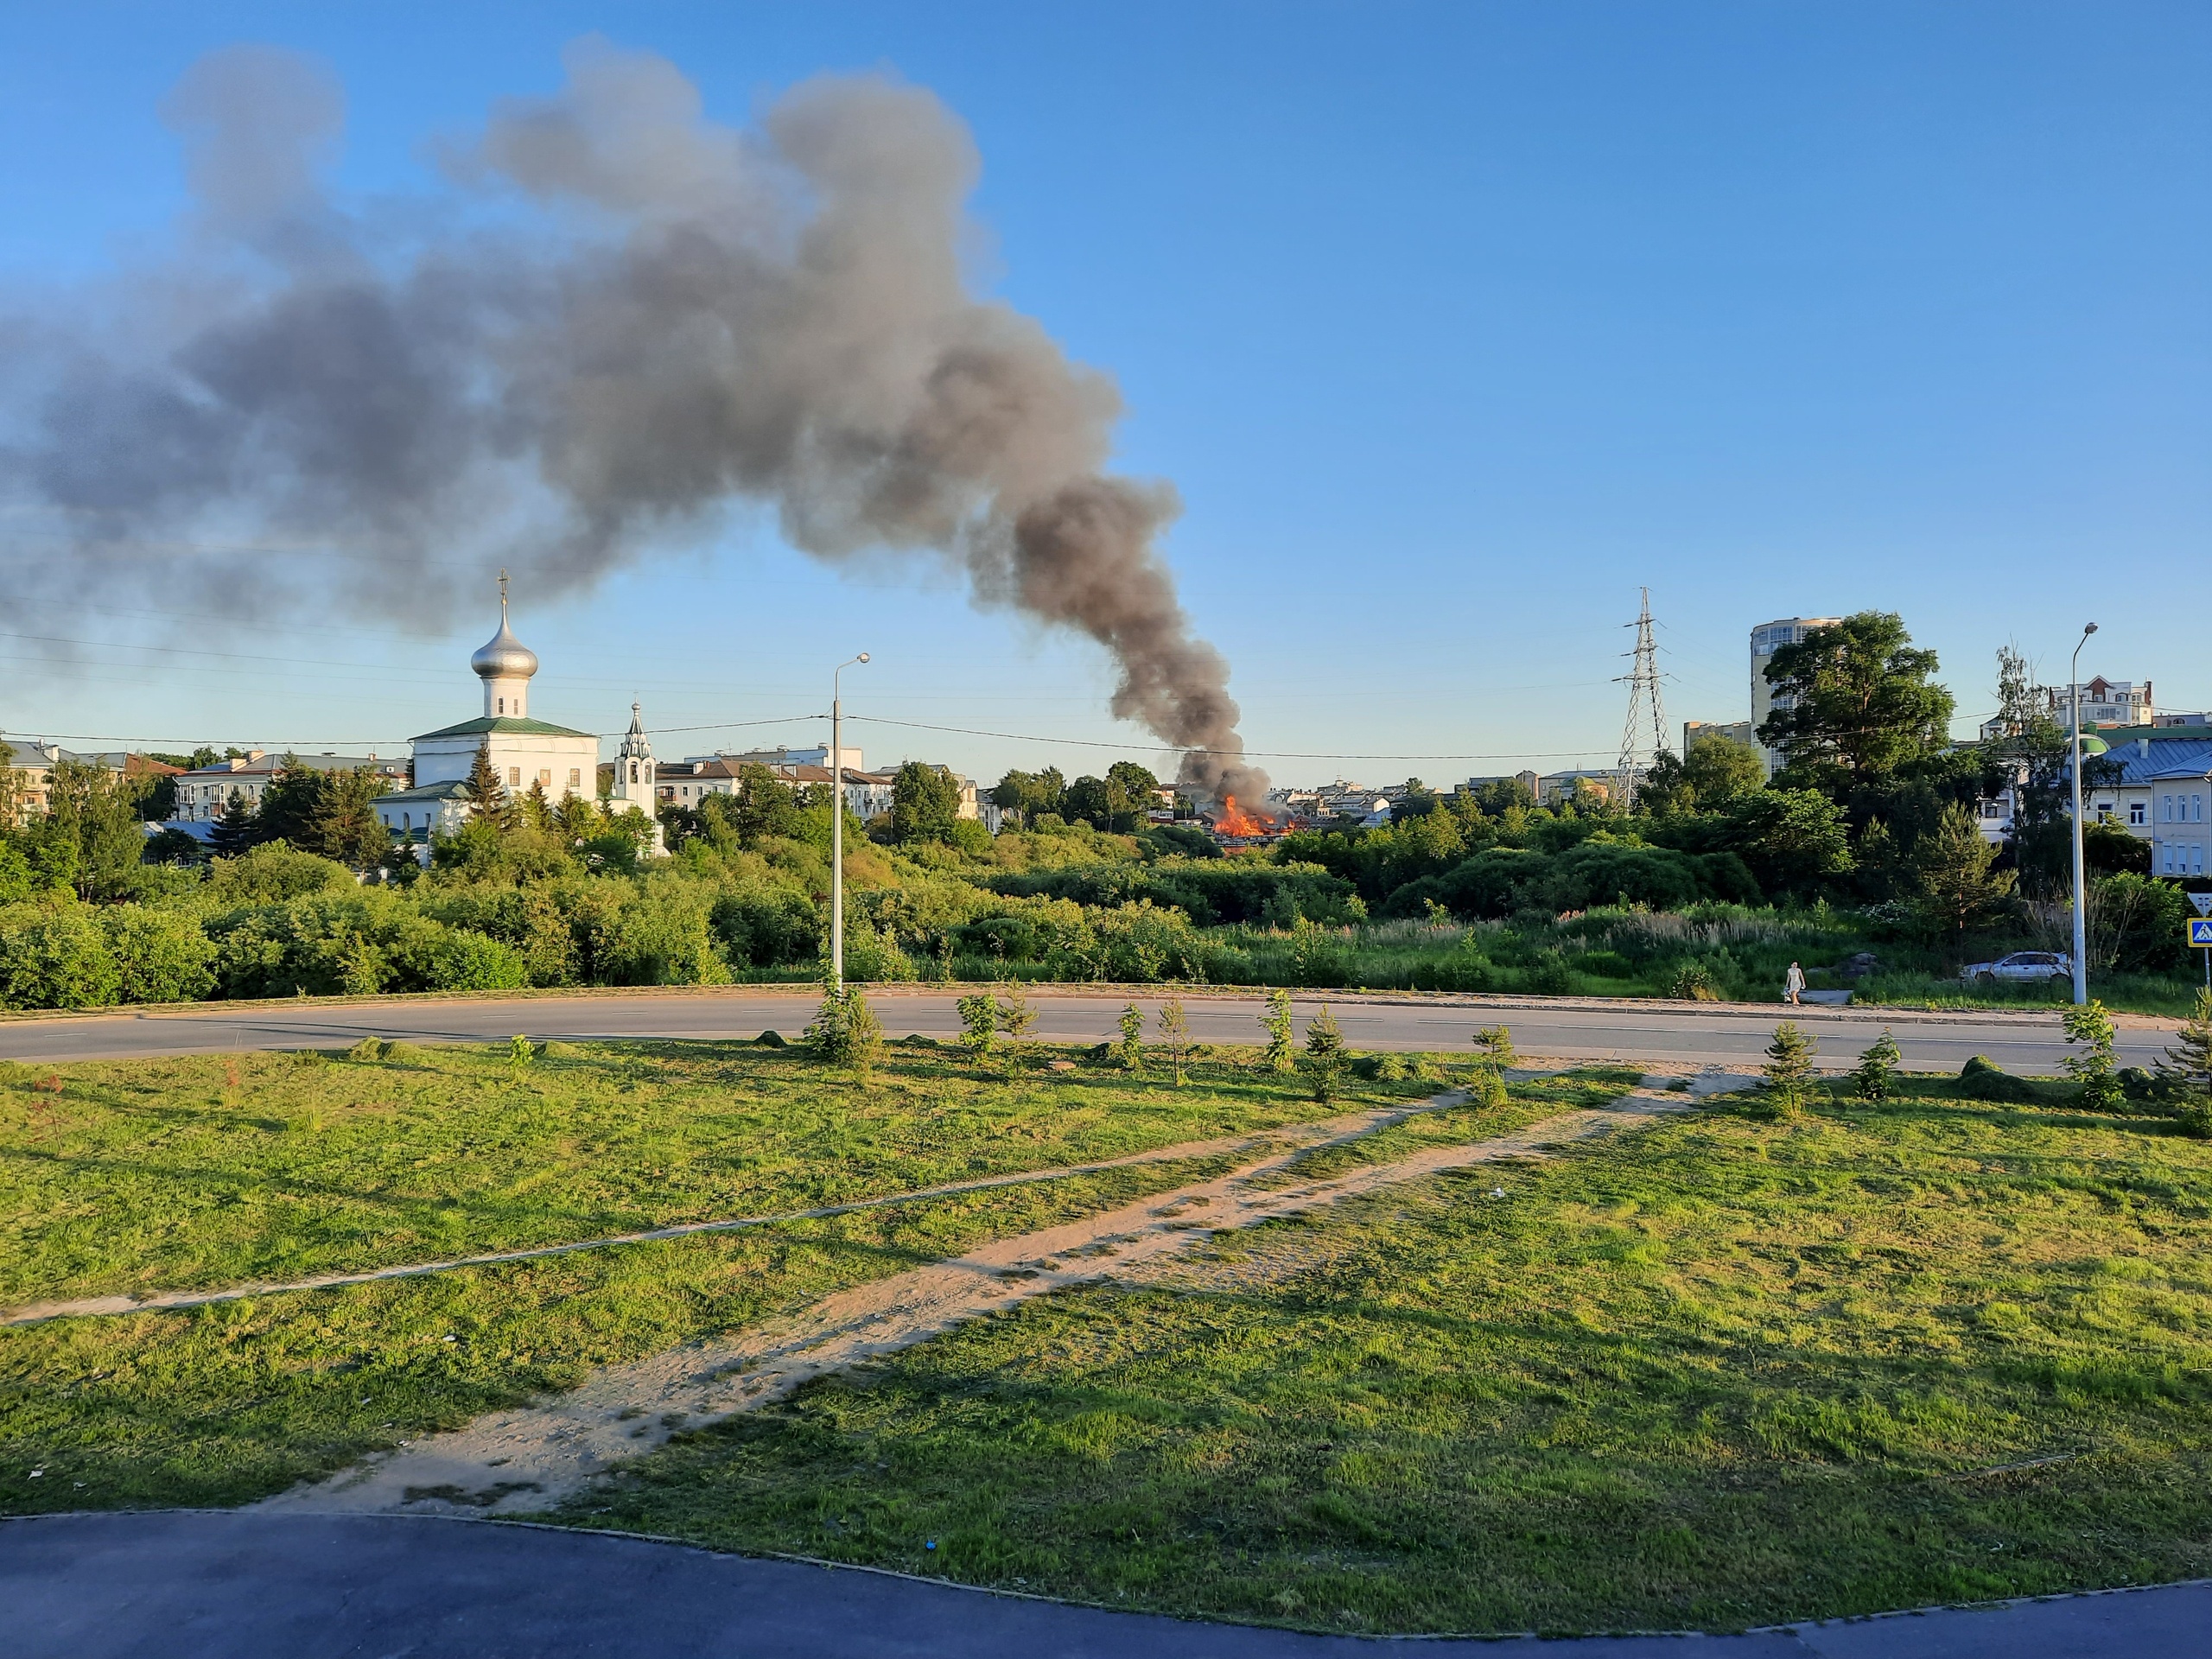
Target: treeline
x=1874, y=809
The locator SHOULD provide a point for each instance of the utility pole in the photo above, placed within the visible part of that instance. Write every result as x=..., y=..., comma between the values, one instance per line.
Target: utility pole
x=837, y=824
x=2081, y=911
x=1643, y=681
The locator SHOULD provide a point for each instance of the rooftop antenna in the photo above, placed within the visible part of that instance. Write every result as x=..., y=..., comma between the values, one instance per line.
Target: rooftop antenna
x=1643, y=681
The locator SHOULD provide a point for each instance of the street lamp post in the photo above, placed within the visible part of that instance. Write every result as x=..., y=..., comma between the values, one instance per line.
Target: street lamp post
x=2081, y=912
x=837, y=824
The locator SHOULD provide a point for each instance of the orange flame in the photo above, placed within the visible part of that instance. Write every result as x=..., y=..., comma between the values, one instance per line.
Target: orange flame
x=1235, y=821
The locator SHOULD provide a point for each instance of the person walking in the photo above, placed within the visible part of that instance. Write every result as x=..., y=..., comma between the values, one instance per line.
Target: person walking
x=1793, y=982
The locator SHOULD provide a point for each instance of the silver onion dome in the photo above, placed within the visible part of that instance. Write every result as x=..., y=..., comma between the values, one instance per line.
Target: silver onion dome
x=503, y=656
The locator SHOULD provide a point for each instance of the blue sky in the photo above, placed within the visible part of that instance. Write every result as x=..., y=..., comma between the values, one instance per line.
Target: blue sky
x=1453, y=325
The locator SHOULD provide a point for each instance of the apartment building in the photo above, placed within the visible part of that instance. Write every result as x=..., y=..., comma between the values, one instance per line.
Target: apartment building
x=1767, y=638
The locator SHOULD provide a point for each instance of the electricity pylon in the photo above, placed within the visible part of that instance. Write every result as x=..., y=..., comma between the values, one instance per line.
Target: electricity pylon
x=1643, y=681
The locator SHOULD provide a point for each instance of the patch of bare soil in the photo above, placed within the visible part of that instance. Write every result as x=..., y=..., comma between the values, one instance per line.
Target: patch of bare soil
x=512, y=1462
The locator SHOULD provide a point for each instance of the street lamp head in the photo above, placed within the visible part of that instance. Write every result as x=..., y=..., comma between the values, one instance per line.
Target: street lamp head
x=2092, y=628
x=863, y=656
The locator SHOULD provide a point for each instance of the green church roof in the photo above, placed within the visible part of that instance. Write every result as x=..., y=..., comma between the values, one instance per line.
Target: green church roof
x=504, y=725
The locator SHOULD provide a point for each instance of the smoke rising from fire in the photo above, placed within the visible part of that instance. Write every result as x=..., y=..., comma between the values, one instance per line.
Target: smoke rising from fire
x=622, y=323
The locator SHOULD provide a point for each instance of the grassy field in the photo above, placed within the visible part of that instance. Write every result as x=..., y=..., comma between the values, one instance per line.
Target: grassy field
x=220, y=1170
x=1723, y=1372
x=225, y=1169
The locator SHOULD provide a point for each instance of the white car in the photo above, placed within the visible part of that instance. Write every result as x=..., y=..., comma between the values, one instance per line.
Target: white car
x=2021, y=968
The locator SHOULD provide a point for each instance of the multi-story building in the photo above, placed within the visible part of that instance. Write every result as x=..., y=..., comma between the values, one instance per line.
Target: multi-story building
x=1767, y=638
x=2155, y=783
x=867, y=794
x=1736, y=731
x=2104, y=702
x=204, y=793
x=30, y=782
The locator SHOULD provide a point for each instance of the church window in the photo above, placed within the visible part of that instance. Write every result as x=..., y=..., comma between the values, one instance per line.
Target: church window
x=546, y=775
x=633, y=771
x=575, y=777
x=514, y=777
x=503, y=705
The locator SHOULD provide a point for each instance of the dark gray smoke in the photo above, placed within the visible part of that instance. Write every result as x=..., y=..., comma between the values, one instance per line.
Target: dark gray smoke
x=624, y=320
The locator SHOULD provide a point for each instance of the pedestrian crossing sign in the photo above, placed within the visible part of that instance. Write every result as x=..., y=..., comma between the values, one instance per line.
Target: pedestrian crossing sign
x=2200, y=931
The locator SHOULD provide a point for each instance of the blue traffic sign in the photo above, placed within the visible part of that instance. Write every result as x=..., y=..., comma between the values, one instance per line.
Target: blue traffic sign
x=2200, y=931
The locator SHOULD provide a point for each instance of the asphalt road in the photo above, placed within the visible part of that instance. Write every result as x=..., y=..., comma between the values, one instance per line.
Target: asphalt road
x=1729, y=1035
x=202, y=1585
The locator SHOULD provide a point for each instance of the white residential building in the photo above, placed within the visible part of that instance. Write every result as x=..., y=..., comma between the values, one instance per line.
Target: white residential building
x=204, y=793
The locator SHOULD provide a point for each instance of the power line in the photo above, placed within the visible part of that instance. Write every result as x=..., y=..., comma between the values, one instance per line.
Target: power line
x=317, y=745
x=1257, y=754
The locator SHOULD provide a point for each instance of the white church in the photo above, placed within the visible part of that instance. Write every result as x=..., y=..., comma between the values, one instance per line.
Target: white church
x=525, y=751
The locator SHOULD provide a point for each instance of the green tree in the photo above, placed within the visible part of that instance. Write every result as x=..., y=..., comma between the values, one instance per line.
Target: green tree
x=1129, y=797
x=289, y=803
x=96, y=811
x=1325, y=1059
x=1957, y=886
x=1282, y=1050
x=764, y=806
x=1031, y=794
x=979, y=1025
x=2089, y=1027
x=1175, y=1035
x=924, y=803
x=1792, y=840
x=1090, y=801
x=1130, y=1049
x=1016, y=1018
x=1788, y=1069
x=344, y=824
x=2186, y=1067
x=1855, y=706
x=236, y=831
x=1876, y=1073
x=1715, y=771
x=487, y=797
x=845, y=1031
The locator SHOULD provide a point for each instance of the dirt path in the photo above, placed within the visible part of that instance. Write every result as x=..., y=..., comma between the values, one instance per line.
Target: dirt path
x=515, y=1461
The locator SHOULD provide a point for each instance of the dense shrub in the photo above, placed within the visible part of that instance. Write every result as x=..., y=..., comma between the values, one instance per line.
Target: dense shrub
x=273, y=873
x=658, y=934
x=55, y=955
x=1211, y=892
x=356, y=944
x=160, y=956
x=765, y=927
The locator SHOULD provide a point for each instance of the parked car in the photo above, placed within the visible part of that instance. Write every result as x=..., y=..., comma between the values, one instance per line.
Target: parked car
x=2021, y=968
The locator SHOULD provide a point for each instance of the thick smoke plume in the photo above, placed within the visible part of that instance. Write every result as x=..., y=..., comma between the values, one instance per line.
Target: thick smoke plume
x=623, y=320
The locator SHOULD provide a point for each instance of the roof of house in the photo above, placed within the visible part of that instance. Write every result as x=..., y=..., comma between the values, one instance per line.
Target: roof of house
x=269, y=764
x=454, y=789
x=504, y=725
x=2157, y=752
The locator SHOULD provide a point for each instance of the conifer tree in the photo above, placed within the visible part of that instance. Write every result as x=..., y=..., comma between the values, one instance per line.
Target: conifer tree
x=236, y=831
x=1876, y=1072
x=487, y=800
x=1788, y=1069
x=1958, y=889
x=1325, y=1058
x=2187, y=1068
